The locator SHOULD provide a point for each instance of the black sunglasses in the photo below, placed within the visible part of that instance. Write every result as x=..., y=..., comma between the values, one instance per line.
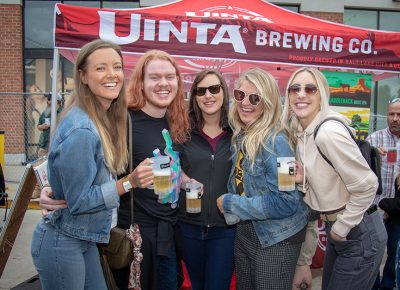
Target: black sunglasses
x=201, y=91
x=309, y=89
x=239, y=96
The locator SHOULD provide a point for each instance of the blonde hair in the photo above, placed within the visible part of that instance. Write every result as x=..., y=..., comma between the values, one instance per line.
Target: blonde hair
x=111, y=124
x=268, y=124
x=288, y=117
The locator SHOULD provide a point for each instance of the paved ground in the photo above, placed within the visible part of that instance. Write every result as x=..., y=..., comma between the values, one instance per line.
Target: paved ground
x=19, y=267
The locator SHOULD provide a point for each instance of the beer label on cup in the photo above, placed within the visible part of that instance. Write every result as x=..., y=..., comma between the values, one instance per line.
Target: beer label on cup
x=165, y=165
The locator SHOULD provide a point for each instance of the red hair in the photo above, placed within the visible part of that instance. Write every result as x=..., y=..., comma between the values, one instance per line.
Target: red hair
x=177, y=115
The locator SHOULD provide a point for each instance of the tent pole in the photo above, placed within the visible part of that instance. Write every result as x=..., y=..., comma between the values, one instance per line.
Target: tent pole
x=54, y=92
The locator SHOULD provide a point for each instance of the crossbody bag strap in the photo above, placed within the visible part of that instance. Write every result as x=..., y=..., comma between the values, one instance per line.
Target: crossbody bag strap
x=130, y=150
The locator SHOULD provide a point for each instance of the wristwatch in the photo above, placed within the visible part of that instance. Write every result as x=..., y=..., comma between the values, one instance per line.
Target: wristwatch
x=126, y=183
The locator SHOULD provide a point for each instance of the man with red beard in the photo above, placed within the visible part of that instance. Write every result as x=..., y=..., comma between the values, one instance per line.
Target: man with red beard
x=155, y=101
x=384, y=139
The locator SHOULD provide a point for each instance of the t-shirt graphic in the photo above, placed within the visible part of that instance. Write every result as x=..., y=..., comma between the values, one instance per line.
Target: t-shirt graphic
x=239, y=174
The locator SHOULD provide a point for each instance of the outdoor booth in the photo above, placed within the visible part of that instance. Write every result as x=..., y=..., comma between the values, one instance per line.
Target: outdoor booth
x=235, y=35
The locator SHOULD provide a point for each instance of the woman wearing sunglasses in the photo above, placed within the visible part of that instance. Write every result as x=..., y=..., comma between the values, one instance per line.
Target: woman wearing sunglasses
x=207, y=240
x=343, y=192
x=272, y=222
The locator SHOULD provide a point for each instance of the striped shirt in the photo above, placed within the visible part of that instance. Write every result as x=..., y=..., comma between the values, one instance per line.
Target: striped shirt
x=383, y=138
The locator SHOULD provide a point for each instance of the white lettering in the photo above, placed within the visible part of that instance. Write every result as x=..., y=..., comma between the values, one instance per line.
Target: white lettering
x=337, y=44
x=234, y=37
x=287, y=39
x=274, y=38
x=202, y=29
x=261, y=37
x=353, y=42
x=149, y=29
x=301, y=41
x=166, y=27
x=366, y=46
x=107, y=28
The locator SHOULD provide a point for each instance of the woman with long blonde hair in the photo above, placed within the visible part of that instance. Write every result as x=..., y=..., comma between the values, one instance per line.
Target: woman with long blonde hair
x=342, y=191
x=272, y=222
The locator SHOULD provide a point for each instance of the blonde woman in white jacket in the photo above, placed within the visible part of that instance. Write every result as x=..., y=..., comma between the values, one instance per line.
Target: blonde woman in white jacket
x=343, y=192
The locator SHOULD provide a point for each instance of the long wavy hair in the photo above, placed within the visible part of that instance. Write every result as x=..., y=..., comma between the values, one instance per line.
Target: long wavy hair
x=111, y=124
x=288, y=117
x=268, y=123
x=177, y=116
x=195, y=114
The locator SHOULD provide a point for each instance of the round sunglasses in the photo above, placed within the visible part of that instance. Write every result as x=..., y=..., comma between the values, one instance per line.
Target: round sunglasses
x=309, y=89
x=201, y=91
x=239, y=96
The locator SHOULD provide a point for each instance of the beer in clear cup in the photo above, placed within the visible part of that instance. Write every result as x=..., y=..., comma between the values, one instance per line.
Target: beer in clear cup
x=162, y=175
x=286, y=173
x=193, y=197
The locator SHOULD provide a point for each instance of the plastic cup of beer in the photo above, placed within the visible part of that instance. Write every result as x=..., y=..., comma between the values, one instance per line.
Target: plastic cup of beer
x=193, y=197
x=162, y=175
x=286, y=173
x=391, y=155
x=47, y=121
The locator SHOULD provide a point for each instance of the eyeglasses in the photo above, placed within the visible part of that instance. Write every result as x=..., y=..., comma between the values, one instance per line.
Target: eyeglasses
x=201, y=91
x=394, y=100
x=309, y=89
x=239, y=96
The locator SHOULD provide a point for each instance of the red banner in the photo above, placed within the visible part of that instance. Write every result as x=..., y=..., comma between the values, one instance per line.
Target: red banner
x=253, y=30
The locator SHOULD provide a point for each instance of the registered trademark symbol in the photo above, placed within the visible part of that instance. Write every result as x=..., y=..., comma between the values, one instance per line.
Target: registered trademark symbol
x=245, y=30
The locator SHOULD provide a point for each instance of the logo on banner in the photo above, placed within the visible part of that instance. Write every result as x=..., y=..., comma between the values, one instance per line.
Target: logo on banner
x=229, y=12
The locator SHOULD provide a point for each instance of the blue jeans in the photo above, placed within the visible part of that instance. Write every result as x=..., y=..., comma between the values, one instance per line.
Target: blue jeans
x=208, y=255
x=389, y=271
x=167, y=271
x=64, y=262
x=354, y=263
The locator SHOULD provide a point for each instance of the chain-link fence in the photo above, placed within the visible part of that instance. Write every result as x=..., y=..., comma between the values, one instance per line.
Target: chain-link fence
x=19, y=118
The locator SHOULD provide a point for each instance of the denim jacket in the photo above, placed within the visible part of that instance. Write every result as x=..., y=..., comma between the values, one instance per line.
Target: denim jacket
x=276, y=215
x=78, y=174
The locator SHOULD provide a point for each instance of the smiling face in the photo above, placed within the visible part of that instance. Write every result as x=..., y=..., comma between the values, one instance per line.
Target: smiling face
x=305, y=105
x=210, y=104
x=160, y=86
x=247, y=112
x=104, y=75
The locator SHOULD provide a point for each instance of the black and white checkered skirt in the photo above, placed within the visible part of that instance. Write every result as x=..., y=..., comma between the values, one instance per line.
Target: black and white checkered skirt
x=257, y=268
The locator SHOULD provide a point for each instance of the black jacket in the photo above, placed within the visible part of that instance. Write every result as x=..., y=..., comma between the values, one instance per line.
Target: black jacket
x=392, y=205
x=212, y=169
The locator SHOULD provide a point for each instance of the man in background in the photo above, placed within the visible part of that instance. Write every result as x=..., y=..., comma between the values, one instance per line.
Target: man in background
x=383, y=140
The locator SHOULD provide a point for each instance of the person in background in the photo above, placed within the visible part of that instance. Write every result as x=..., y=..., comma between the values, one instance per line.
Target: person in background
x=88, y=150
x=207, y=240
x=384, y=139
x=44, y=127
x=272, y=222
x=391, y=207
x=343, y=192
x=155, y=102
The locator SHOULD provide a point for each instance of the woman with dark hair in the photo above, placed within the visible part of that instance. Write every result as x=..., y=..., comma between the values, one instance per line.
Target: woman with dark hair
x=88, y=151
x=207, y=240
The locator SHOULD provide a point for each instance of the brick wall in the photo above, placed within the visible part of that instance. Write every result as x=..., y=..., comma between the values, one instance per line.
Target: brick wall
x=330, y=16
x=11, y=76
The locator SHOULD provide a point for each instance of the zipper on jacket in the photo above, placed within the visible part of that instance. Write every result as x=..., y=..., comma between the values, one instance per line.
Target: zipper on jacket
x=212, y=157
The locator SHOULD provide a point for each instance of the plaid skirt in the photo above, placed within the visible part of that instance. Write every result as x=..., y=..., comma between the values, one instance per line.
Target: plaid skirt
x=257, y=268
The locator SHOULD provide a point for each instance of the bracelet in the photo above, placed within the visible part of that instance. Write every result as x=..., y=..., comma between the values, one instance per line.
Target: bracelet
x=126, y=183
